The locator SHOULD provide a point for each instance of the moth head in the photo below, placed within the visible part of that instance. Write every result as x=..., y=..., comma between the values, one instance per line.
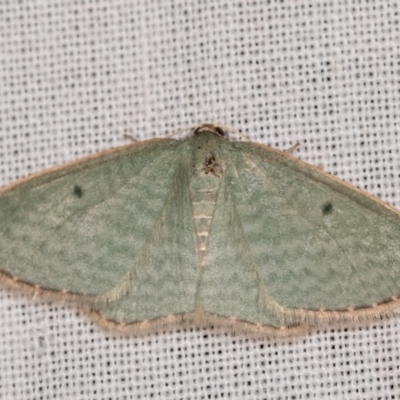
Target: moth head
x=216, y=129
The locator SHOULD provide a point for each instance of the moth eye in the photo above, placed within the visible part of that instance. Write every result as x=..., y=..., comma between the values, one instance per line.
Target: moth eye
x=327, y=208
x=78, y=192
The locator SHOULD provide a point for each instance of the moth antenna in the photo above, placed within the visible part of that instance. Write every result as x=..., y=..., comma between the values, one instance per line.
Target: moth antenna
x=131, y=138
x=236, y=132
x=179, y=131
x=291, y=149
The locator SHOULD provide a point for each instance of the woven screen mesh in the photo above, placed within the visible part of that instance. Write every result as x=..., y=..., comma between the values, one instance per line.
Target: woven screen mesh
x=76, y=76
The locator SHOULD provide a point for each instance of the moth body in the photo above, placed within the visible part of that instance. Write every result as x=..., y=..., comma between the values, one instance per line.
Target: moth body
x=205, y=184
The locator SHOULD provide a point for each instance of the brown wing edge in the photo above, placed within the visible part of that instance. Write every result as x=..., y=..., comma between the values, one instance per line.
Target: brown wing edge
x=201, y=319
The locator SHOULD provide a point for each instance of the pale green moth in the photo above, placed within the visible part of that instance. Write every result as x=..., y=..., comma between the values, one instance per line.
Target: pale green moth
x=202, y=230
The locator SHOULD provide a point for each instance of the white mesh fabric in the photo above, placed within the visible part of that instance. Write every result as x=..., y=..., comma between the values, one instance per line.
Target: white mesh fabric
x=75, y=76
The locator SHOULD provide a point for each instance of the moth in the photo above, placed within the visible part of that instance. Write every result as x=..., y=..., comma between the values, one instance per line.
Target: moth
x=202, y=230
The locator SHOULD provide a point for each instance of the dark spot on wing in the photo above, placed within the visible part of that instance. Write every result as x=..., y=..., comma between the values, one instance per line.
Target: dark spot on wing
x=78, y=192
x=327, y=208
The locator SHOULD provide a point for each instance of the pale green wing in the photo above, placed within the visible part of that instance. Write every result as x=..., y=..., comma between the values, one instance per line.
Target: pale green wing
x=97, y=227
x=304, y=246
x=163, y=278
